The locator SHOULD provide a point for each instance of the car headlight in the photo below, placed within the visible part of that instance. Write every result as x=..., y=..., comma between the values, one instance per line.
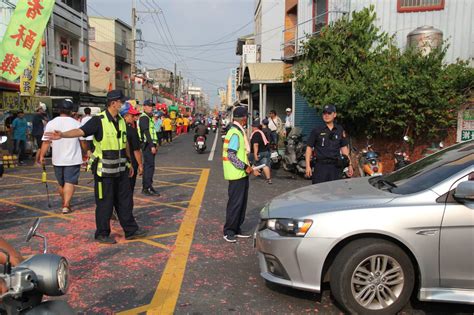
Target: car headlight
x=289, y=227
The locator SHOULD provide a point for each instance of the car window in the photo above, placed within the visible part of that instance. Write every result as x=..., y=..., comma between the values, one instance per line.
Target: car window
x=429, y=171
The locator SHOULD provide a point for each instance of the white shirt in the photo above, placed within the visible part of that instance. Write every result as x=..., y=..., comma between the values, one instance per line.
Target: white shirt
x=66, y=152
x=83, y=122
x=289, y=121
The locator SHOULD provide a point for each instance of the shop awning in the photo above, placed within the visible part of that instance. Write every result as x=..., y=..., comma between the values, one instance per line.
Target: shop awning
x=271, y=72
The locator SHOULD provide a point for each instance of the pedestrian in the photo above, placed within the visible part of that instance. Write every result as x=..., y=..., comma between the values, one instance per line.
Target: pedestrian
x=260, y=148
x=329, y=141
x=148, y=139
x=265, y=129
x=40, y=119
x=276, y=126
x=20, y=133
x=168, y=129
x=289, y=121
x=84, y=120
x=236, y=171
x=185, y=125
x=131, y=115
x=179, y=125
x=110, y=168
x=158, y=127
x=67, y=154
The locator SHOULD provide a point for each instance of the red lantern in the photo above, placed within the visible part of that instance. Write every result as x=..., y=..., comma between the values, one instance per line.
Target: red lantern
x=64, y=52
x=43, y=43
x=125, y=77
x=107, y=69
x=97, y=64
x=119, y=72
x=83, y=59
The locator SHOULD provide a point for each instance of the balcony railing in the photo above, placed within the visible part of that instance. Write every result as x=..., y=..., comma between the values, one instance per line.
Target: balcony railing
x=294, y=37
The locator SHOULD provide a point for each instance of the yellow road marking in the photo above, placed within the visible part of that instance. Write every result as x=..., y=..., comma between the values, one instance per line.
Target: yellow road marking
x=152, y=243
x=34, y=209
x=167, y=293
x=166, y=184
x=181, y=168
x=44, y=195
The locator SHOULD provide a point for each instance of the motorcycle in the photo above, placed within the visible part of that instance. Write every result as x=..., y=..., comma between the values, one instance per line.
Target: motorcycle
x=369, y=162
x=294, y=158
x=401, y=157
x=3, y=139
x=275, y=157
x=40, y=275
x=200, y=144
x=214, y=128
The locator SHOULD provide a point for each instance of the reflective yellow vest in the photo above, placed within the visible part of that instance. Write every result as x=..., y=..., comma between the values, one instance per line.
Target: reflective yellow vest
x=151, y=127
x=110, y=153
x=230, y=171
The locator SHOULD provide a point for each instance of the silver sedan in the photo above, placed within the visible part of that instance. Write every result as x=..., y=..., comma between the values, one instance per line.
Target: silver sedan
x=377, y=240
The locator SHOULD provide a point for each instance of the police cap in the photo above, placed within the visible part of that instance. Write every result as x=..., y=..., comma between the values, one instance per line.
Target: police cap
x=240, y=112
x=116, y=95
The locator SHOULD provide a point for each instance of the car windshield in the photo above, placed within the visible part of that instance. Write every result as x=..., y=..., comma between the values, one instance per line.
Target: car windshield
x=427, y=172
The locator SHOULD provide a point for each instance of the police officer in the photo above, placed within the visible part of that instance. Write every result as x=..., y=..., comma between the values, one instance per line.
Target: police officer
x=329, y=141
x=236, y=171
x=149, y=139
x=111, y=168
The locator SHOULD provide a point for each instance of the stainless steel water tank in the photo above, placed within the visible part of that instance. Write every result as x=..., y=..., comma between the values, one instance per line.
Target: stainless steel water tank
x=425, y=38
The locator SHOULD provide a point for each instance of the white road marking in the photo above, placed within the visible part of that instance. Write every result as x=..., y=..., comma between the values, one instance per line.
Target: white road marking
x=213, y=150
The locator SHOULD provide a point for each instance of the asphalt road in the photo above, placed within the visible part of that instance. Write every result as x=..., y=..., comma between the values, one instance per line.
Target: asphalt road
x=184, y=265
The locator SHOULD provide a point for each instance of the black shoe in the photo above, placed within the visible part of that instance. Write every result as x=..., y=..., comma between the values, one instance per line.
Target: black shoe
x=154, y=192
x=105, y=240
x=147, y=192
x=230, y=238
x=137, y=234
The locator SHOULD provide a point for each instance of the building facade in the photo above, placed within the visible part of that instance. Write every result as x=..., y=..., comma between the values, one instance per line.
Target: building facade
x=162, y=77
x=110, y=55
x=305, y=18
x=268, y=18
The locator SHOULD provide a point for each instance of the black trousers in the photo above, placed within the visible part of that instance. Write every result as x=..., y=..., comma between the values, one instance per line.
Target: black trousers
x=325, y=173
x=116, y=193
x=133, y=179
x=159, y=136
x=236, y=206
x=148, y=167
x=169, y=136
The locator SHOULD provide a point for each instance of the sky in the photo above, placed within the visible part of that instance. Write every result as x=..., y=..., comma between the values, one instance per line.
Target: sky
x=214, y=23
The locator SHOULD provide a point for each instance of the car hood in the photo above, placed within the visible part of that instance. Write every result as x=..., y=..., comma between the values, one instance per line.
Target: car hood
x=325, y=197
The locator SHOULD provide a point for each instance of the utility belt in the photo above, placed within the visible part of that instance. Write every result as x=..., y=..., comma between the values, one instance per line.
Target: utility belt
x=326, y=161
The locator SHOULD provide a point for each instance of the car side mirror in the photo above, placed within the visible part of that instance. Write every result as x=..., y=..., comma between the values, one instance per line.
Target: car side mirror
x=465, y=192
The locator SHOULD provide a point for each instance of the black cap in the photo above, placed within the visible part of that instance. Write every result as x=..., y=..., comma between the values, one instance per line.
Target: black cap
x=240, y=112
x=329, y=109
x=66, y=104
x=265, y=122
x=256, y=123
x=148, y=103
x=116, y=95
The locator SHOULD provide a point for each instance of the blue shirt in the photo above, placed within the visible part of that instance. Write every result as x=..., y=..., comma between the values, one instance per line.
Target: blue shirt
x=20, y=126
x=234, y=143
x=158, y=125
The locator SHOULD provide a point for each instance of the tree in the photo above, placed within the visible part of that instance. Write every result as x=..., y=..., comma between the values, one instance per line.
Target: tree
x=377, y=88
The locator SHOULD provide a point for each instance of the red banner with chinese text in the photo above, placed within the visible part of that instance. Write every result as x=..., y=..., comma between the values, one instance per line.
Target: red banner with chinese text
x=23, y=36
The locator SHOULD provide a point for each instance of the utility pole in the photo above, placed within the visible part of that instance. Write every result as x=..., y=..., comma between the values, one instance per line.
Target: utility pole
x=180, y=85
x=134, y=47
x=174, y=83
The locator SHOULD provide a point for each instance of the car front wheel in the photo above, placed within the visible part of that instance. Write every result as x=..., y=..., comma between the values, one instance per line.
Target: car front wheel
x=372, y=276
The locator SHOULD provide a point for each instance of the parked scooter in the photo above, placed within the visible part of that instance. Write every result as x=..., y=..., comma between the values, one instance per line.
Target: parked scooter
x=369, y=161
x=275, y=157
x=401, y=156
x=40, y=275
x=294, y=158
x=200, y=144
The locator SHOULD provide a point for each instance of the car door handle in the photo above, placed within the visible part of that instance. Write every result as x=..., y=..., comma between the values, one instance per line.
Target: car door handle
x=430, y=232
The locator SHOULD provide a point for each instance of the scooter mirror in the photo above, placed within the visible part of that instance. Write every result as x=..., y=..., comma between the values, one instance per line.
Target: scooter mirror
x=3, y=139
x=32, y=231
x=441, y=145
x=406, y=138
